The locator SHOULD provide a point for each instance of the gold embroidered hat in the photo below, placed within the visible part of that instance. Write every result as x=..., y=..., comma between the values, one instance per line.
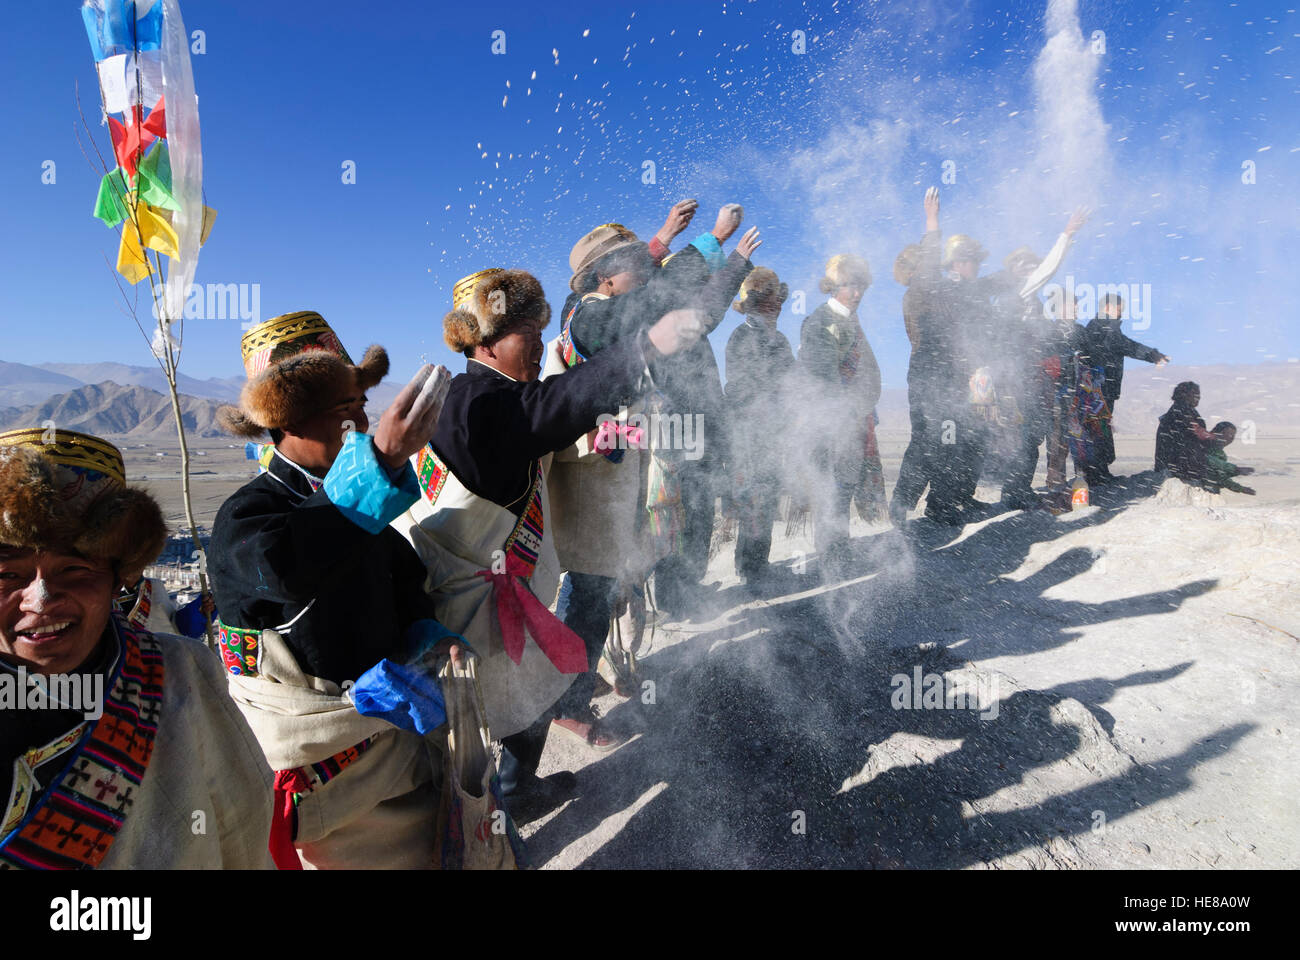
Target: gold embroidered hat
x=296, y=367
x=461, y=290
x=961, y=247
x=64, y=490
x=491, y=302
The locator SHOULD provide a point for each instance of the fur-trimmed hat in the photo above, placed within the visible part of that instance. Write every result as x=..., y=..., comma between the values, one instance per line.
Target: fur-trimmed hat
x=845, y=268
x=906, y=264
x=66, y=491
x=962, y=247
x=296, y=368
x=761, y=286
x=492, y=305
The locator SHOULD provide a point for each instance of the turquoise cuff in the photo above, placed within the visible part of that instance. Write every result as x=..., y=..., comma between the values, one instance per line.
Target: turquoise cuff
x=364, y=490
x=711, y=250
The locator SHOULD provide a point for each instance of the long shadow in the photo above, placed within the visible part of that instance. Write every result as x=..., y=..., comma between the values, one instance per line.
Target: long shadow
x=751, y=733
x=755, y=782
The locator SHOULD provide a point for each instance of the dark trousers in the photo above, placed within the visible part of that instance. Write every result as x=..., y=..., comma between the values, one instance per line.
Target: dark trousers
x=843, y=469
x=521, y=753
x=924, y=451
x=586, y=605
x=1018, y=478
x=677, y=574
x=972, y=447
x=1104, y=450
x=756, y=506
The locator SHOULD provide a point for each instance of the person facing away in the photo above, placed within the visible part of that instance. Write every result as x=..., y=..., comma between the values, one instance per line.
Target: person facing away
x=759, y=363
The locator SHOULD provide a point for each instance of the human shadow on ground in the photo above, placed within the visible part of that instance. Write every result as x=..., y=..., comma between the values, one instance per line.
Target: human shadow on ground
x=779, y=705
x=774, y=759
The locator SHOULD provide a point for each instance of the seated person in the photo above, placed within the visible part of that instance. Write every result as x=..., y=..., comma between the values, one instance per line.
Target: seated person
x=1220, y=469
x=1183, y=444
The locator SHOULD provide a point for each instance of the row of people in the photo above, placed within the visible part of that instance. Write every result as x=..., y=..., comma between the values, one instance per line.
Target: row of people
x=445, y=533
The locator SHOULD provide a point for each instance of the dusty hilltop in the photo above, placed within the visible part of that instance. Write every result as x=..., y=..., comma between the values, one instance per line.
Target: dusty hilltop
x=1112, y=686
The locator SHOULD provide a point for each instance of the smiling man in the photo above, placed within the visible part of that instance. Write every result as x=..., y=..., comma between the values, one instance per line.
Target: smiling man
x=136, y=757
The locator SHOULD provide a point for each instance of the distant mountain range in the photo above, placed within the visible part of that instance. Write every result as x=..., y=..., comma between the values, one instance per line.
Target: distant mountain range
x=118, y=400
x=112, y=410
x=21, y=385
x=1268, y=394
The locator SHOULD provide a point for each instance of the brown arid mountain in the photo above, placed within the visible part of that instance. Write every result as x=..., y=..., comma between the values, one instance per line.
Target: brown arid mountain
x=111, y=410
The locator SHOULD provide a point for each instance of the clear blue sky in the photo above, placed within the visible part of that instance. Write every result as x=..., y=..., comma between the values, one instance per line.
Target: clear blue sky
x=465, y=159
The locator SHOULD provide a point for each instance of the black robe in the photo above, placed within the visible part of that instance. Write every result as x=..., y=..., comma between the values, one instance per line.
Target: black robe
x=278, y=548
x=692, y=384
x=1108, y=346
x=492, y=430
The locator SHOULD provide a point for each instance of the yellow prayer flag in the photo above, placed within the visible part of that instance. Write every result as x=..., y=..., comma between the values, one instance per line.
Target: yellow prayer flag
x=131, y=258
x=156, y=232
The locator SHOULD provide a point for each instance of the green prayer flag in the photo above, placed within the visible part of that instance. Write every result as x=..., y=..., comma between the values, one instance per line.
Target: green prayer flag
x=156, y=179
x=110, y=205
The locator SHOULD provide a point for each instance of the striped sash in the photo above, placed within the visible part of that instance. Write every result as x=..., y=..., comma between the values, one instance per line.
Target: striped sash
x=73, y=824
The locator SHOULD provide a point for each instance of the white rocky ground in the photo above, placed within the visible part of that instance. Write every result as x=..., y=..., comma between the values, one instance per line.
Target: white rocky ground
x=1143, y=654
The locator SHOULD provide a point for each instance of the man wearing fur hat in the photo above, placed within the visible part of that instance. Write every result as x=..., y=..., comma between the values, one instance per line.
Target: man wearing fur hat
x=759, y=364
x=843, y=378
x=482, y=522
x=314, y=589
x=114, y=742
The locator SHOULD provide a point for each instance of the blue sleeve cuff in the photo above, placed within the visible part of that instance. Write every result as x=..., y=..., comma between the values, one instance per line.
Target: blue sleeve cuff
x=364, y=490
x=711, y=250
x=424, y=634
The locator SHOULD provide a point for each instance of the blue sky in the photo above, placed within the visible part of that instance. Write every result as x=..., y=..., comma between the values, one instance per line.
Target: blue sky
x=466, y=159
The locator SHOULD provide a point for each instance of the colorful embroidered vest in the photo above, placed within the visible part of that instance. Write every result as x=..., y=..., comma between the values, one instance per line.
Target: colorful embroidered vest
x=72, y=825
x=525, y=541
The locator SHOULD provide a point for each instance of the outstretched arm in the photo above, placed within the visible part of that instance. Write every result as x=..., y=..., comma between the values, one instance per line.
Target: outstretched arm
x=1052, y=262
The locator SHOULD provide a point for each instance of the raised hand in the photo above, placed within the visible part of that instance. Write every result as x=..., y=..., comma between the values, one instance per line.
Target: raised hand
x=728, y=222
x=677, y=330
x=408, y=424
x=1077, y=220
x=932, y=209
x=679, y=218
x=749, y=243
